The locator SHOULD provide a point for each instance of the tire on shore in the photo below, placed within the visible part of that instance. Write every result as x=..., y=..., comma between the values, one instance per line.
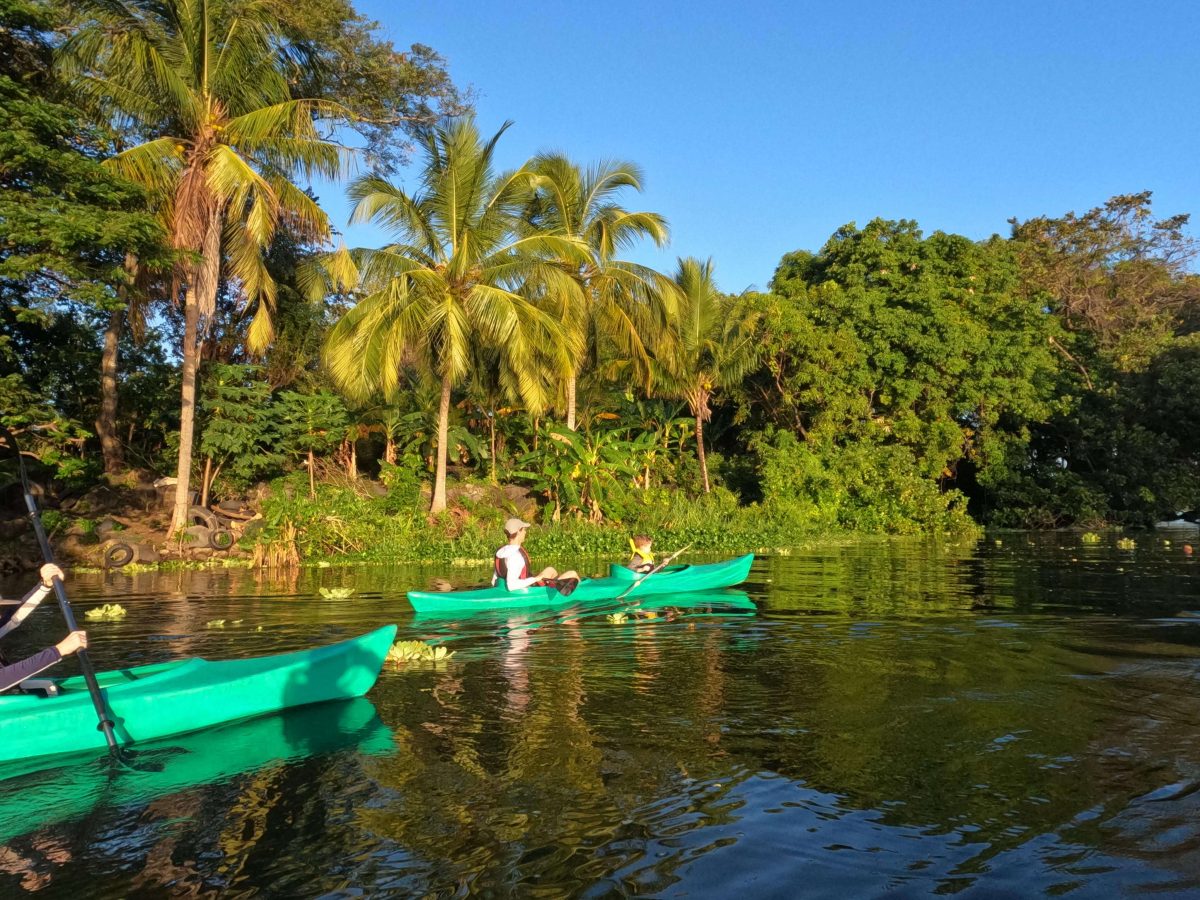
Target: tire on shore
x=118, y=554
x=198, y=515
x=221, y=539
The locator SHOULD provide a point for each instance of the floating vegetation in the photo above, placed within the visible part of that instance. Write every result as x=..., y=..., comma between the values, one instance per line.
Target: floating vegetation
x=340, y=593
x=221, y=623
x=403, y=652
x=1090, y=537
x=464, y=561
x=109, y=612
x=618, y=618
x=1127, y=543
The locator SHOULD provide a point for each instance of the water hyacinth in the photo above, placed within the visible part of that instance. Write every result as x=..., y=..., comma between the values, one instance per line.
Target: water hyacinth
x=339, y=593
x=109, y=612
x=403, y=652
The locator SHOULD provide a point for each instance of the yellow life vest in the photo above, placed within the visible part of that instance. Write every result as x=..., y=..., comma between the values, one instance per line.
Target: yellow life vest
x=645, y=555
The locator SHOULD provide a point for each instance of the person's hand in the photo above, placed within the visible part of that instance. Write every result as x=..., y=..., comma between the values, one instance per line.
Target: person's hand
x=49, y=572
x=76, y=640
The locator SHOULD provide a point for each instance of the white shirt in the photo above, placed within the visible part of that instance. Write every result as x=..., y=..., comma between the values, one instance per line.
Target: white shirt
x=510, y=555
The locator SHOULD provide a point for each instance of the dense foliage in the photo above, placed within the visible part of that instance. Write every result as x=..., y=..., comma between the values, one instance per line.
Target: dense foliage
x=498, y=355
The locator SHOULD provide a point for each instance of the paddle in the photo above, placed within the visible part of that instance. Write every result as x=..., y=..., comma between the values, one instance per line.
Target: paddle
x=85, y=664
x=662, y=565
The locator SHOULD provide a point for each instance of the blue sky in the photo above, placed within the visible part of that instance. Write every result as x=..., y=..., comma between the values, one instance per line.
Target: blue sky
x=762, y=127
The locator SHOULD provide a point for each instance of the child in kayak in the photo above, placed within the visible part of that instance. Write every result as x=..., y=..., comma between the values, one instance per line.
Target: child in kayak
x=642, y=560
x=511, y=564
x=14, y=612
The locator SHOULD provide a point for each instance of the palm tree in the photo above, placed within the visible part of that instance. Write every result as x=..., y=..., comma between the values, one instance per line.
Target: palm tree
x=714, y=345
x=622, y=302
x=462, y=273
x=203, y=82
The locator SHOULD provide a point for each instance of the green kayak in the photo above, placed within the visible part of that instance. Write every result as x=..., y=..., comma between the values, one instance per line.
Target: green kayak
x=671, y=580
x=187, y=695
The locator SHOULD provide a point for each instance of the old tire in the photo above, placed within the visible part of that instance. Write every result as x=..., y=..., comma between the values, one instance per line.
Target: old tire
x=198, y=515
x=118, y=554
x=221, y=539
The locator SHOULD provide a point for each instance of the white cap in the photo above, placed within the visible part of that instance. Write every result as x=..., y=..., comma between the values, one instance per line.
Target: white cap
x=513, y=525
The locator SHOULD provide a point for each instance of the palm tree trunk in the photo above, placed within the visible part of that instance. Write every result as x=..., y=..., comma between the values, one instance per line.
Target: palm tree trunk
x=571, y=402
x=187, y=408
x=106, y=423
x=492, y=441
x=439, y=479
x=201, y=296
x=700, y=451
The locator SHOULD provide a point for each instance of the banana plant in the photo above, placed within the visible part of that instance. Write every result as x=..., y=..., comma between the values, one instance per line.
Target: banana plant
x=580, y=472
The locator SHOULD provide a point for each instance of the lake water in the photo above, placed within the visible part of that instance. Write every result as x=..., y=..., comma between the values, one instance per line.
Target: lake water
x=1014, y=716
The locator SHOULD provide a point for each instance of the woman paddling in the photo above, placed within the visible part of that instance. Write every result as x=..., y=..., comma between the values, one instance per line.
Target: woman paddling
x=14, y=612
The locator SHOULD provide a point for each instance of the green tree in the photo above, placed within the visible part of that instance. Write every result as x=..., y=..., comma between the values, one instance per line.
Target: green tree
x=456, y=277
x=610, y=300
x=205, y=84
x=890, y=339
x=66, y=225
x=340, y=55
x=238, y=428
x=711, y=348
x=310, y=424
x=1117, y=282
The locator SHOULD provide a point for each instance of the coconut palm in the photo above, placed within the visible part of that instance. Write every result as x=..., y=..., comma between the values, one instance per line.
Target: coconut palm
x=461, y=273
x=203, y=82
x=622, y=302
x=714, y=345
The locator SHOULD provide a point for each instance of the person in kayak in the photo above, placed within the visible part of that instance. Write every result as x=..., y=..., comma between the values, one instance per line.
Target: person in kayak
x=642, y=560
x=511, y=564
x=14, y=612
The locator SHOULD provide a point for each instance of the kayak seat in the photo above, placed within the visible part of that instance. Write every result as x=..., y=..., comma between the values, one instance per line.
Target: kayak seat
x=43, y=687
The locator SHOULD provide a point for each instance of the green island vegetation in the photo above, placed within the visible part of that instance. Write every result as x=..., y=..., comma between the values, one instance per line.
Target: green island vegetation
x=173, y=303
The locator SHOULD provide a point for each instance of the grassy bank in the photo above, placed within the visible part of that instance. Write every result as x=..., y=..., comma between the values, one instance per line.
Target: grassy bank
x=343, y=524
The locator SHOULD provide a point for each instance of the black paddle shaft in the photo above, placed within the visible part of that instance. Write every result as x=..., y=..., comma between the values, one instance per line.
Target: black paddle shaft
x=85, y=663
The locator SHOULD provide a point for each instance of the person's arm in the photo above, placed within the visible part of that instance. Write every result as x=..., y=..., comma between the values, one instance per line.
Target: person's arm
x=11, y=676
x=514, y=582
x=31, y=600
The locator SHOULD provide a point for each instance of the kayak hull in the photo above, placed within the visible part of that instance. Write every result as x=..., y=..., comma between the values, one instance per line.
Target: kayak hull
x=151, y=702
x=672, y=580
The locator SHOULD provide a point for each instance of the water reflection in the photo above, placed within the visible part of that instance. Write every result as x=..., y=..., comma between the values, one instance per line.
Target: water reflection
x=881, y=716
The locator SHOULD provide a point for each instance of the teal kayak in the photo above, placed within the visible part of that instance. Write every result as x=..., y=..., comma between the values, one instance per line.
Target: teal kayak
x=157, y=701
x=66, y=789
x=671, y=580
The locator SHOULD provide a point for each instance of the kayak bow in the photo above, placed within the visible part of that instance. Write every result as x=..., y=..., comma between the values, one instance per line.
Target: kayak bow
x=150, y=702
